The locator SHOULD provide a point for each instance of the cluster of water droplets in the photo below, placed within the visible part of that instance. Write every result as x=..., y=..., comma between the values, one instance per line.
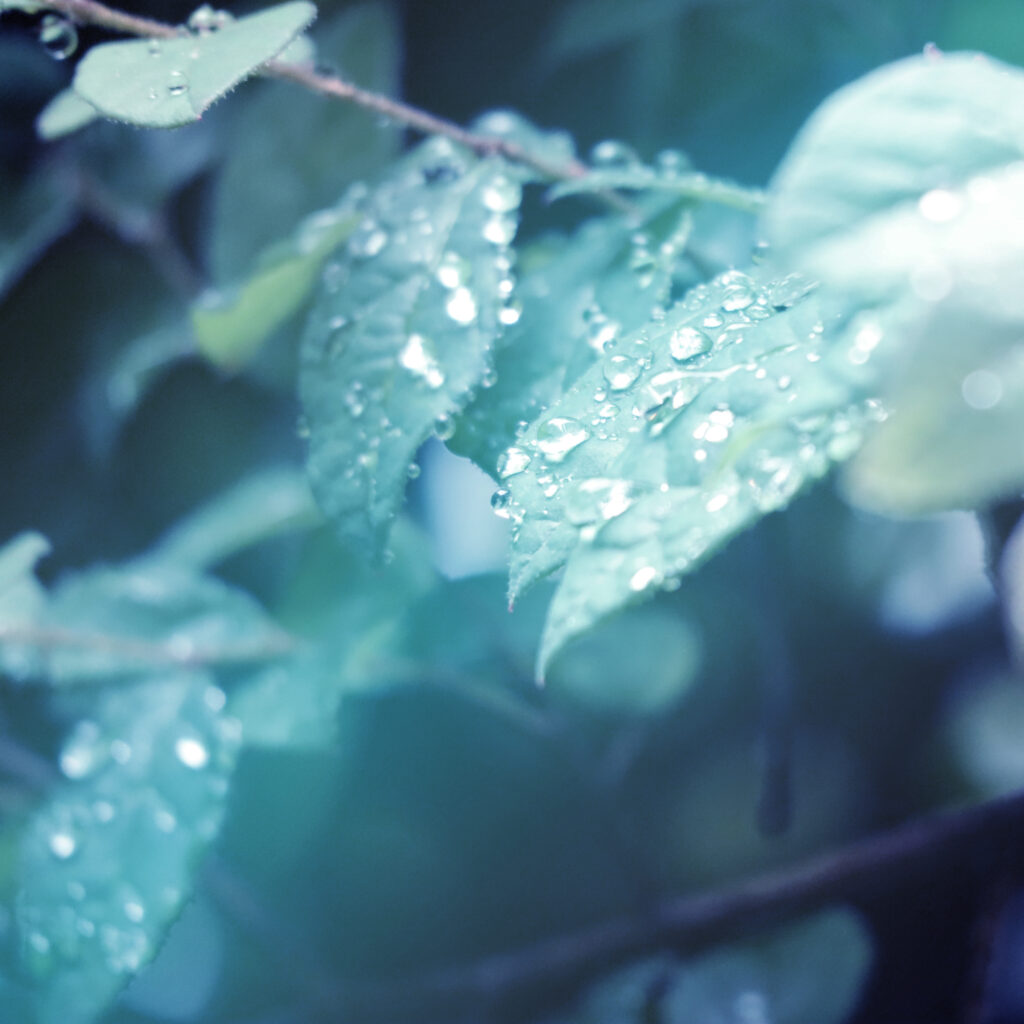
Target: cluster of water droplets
x=108, y=855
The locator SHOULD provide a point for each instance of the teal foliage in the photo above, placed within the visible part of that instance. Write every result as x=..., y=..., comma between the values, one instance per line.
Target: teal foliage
x=263, y=741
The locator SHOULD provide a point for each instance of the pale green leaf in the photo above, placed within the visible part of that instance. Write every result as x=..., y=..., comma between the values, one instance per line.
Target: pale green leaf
x=307, y=147
x=639, y=178
x=904, y=192
x=685, y=432
x=231, y=326
x=404, y=327
x=22, y=601
x=576, y=295
x=64, y=114
x=163, y=83
x=108, y=859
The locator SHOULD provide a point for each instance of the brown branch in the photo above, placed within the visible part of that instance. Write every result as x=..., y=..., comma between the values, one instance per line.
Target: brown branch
x=861, y=870
x=90, y=12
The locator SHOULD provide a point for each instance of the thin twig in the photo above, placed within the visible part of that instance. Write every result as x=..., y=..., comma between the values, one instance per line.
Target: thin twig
x=90, y=12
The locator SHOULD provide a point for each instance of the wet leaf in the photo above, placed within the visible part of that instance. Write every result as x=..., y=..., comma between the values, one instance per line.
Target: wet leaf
x=163, y=83
x=686, y=431
x=404, y=327
x=108, y=859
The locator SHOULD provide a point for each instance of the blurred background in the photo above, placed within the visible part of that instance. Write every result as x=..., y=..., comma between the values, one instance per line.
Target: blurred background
x=462, y=812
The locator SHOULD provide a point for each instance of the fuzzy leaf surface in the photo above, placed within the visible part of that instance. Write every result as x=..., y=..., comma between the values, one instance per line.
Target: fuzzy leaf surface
x=170, y=82
x=403, y=328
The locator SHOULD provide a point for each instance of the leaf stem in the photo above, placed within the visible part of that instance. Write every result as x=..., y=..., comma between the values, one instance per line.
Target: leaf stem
x=90, y=12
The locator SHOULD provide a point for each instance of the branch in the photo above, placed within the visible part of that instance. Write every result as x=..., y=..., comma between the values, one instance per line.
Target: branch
x=863, y=869
x=89, y=12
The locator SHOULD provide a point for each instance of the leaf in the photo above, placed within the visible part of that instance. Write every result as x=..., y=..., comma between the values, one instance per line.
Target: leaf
x=230, y=328
x=108, y=859
x=903, y=192
x=403, y=328
x=685, y=432
x=260, y=506
x=163, y=83
x=22, y=600
x=308, y=147
x=576, y=295
x=639, y=178
x=811, y=972
x=64, y=114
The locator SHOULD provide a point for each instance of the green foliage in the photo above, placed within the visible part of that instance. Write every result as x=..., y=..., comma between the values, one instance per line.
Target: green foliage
x=658, y=369
x=164, y=83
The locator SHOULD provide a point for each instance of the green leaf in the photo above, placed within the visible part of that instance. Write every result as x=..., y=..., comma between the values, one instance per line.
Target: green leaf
x=230, y=328
x=163, y=83
x=64, y=114
x=307, y=147
x=811, y=972
x=576, y=295
x=22, y=600
x=904, y=192
x=109, y=857
x=639, y=178
x=685, y=432
x=404, y=327
x=271, y=501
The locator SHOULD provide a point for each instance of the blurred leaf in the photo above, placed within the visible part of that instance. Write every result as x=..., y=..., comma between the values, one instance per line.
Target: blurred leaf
x=905, y=190
x=231, y=329
x=811, y=972
x=109, y=857
x=22, y=600
x=403, y=328
x=686, y=432
x=33, y=215
x=169, y=82
x=269, y=502
x=289, y=152
x=576, y=295
x=64, y=114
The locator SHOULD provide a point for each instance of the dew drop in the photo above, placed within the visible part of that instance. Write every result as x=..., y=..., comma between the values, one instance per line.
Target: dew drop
x=789, y=290
x=63, y=844
x=177, y=84
x=155, y=48
x=191, y=753
x=736, y=298
x=58, y=36
x=940, y=205
x=512, y=461
x=499, y=229
x=501, y=501
x=621, y=372
x=367, y=240
x=687, y=343
x=461, y=306
x=613, y=155
x=643, y=578
x=558, y=436
x=81, y=753
x=502, y=194
x=453, y=270
x=444, y=427
x=418, y=359
x=510, y=313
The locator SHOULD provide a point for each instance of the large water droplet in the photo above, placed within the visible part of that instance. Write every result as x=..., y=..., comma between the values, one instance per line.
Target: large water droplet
x=417, y=357
x=499, y=229
x=643, y=578
x=559, y=435
x=461, y=307
x=940, y=205
x=444, y=427
x=501, y=501
x=191, y=752
x=452, y=270
x=177, y=83
x=688, y=343
x=613, y=155
x=63, y=843
x=621, y=372
x=512, y=461
x=502, y=194
x=58, y=36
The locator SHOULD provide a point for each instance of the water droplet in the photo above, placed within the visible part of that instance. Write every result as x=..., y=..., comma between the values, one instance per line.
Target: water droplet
x=63, y=844
x=416, y=356
x=461, y=307
x=789, y=290
x=613, y=155
x=643, y=578
x=621, y=372
x=982, y=390
x=512, y=461
x=206, y=19
x=499, y=229
x=940, y=205
x=688, y=343
x=444, y=427
x=413, y=471
x=559, y=435
x=177, y=83
x=501, y=501
x=134, y=911
x=191, y=753
x=672, y=162
x=737, y=297
x=155, y=47
x=501, y=194
x=510, y=313
x=58, y=36
x=367, y=240
x=598, y=498
x=600, y=330
x=452, y=270
x=82, y=751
